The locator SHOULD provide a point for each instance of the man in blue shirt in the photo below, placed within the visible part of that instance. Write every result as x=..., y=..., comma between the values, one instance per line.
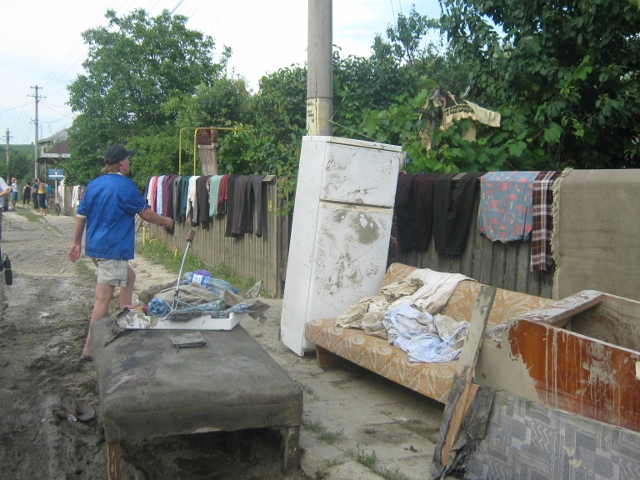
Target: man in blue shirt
x=107, y=211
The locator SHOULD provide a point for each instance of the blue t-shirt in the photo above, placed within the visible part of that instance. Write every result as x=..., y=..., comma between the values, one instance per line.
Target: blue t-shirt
x=110, y=203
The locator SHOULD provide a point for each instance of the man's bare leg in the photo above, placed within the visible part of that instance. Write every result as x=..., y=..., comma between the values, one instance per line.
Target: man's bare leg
x=126, y=292
x=104, y=294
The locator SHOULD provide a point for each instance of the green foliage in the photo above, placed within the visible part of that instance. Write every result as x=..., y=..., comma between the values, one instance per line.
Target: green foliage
x=271, y=145
x=135, y=66
x=20, y=164
x=156, y=154
x=570, y=68
x=224, y=103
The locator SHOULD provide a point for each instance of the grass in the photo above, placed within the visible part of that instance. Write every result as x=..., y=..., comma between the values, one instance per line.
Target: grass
x=323, y=434
x=29, y=213
x=370, y=461
x=159, y=253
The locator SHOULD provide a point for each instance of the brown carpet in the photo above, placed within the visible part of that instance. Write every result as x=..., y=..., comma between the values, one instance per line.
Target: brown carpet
x=596, y=239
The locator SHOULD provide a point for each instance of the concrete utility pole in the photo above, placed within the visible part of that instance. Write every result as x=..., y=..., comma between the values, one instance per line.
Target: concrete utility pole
x=7, y=154
x=319, y=69
x=35, y=152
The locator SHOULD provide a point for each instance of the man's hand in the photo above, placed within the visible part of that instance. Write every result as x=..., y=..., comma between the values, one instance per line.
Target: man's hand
x=74, y=252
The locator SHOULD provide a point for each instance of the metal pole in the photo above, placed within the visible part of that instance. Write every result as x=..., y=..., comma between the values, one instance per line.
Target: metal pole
x=319, y=68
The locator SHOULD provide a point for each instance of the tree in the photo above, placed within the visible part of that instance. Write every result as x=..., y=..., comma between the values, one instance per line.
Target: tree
x=571, y=69
x=135, y=65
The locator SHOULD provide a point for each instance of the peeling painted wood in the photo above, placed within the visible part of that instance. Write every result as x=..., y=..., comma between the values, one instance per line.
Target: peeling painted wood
x=462, y=391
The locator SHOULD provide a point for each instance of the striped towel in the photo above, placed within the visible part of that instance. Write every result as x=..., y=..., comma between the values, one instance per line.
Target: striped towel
x=541, y=259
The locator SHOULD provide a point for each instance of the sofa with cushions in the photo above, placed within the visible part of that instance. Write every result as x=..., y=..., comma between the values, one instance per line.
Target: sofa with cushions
x=376, y=354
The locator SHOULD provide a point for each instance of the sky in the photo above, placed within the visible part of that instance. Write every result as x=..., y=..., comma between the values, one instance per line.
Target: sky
x=41, y=44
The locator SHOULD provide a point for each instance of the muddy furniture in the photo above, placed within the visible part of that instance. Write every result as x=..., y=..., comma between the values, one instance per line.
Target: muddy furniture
x=580, y=354
x=376, y=354
x=149, y=389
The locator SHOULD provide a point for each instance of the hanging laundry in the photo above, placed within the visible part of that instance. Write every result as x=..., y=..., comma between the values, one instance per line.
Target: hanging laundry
x=452, y=211
x=158, y=207
x=192, y=201
x=176, y=197
x=214, y=188
x=153, y=193
x=506, y=205
x=231, y=186
x=167, y=196
x=541, y=260
x=452, y=109
x=183, y=197
x=414, y=210
x=201, y=216
x=253, y=201
x=223, y=194
x=236, y=205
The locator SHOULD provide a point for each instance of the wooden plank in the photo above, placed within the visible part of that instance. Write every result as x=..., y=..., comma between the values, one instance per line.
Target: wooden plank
x=510, y=267
x=462, y=392
x=113, y=461
x=291, y=449
x=498, y=264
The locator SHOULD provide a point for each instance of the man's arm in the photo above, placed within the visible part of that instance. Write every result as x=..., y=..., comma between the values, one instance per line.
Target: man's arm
x=76, y=246
x=152, y=217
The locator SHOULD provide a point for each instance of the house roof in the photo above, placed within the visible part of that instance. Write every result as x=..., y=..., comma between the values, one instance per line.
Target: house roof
x=56, y=153
x=56, y=137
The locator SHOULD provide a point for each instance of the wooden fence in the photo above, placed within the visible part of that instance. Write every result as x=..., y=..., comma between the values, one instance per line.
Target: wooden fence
x=265, y=258
x=492, y=263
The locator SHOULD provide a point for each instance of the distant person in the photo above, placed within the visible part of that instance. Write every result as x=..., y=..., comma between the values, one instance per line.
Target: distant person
x=26, y=194
x=42, y=198
x=4, y=191
x=107, y=211
x=14, y=192
x=34, y=193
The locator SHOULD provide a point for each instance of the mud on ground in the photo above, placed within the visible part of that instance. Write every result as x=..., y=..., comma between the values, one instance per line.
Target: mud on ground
x=44, y=318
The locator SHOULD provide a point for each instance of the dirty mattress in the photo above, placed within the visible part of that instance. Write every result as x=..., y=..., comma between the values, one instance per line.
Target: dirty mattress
x=149, y=388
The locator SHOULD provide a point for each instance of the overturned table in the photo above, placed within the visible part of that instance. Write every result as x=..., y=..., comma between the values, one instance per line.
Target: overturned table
x=148, y=388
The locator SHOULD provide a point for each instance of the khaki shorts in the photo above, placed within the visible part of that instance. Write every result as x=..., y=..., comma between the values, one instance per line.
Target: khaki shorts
x=112, y=272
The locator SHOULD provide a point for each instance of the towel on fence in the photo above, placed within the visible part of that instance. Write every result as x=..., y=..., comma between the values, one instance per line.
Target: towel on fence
x=506, y=205
x=541, y=260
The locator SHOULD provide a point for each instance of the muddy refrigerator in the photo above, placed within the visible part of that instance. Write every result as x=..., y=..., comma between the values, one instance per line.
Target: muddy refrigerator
x=340, y=231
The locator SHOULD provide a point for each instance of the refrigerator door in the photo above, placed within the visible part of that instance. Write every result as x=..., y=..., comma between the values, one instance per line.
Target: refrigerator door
x=347, y=262
x=361, y=173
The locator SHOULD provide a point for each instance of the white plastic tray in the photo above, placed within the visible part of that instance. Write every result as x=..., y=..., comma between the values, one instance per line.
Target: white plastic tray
x=140, y=321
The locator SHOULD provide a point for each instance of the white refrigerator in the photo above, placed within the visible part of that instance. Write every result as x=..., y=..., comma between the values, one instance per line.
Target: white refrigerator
x=340, y=232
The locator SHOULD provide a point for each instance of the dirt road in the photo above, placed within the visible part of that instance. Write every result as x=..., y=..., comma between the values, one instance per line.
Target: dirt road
x=356, y=425
x=43, y=324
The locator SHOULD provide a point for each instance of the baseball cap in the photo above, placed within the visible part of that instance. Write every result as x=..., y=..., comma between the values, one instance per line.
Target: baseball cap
x=116, y=153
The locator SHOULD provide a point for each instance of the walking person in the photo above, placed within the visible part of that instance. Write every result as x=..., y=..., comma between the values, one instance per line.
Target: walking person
x=26, y=194
x=14, y=192
x=34, y=192
x=4, y=191
x=107, y=211
x=42, y=198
